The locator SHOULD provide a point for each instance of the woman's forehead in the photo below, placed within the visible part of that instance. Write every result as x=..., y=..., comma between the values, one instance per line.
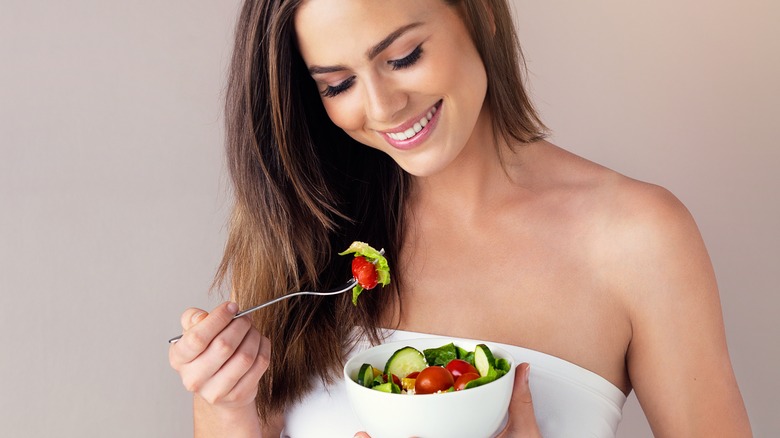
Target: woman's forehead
x=326, y=28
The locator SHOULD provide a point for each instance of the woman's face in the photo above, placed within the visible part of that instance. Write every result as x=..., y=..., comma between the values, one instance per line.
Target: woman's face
x=402, y=76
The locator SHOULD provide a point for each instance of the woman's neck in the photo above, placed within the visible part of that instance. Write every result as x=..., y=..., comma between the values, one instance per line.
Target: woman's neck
x=479, y=177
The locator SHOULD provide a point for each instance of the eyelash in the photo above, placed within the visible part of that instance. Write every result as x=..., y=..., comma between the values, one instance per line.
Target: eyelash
x=398, y=64
x=332, y=91
x=407, y=61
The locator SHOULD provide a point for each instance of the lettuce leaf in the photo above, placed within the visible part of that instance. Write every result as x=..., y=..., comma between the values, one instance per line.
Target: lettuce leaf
x=468, y=356
x=441, y=356
x=492, y=375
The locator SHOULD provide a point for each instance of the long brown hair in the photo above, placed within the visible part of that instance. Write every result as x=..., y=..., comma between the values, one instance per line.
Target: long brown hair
x=304, y=190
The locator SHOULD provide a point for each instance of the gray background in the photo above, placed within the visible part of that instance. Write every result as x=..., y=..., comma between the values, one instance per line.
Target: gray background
x=113, y=193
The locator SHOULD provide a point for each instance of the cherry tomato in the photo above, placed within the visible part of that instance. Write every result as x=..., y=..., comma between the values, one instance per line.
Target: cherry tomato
x=465, y=378
x=458, y=367
x=413, y=375
x=364, y=272
x=433, y=379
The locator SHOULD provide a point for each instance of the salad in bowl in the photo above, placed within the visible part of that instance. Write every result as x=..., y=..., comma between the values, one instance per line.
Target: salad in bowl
x=431, y=387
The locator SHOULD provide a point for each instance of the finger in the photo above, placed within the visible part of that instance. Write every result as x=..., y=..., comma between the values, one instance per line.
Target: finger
x=521, y=409
x=192, y=316
x=228, y=384
x=361, y=435
x=246, y=388
x=197, y=372
x=198, y=338
x=188, y=319
x=261, y=363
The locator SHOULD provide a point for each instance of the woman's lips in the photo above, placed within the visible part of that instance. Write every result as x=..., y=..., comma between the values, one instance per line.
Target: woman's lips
x=414, y=132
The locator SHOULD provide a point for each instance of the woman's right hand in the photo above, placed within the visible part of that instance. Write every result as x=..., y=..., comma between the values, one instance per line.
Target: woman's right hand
x=220, y=359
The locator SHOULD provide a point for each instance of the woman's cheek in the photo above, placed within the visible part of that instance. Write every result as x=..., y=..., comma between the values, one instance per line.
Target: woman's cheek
x=348, y=115
x=343, y=111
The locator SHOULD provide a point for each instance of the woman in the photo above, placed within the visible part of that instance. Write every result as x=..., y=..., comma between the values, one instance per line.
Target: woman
x=404, y=124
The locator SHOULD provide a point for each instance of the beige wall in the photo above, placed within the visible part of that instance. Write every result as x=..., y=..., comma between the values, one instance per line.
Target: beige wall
x=112, y=188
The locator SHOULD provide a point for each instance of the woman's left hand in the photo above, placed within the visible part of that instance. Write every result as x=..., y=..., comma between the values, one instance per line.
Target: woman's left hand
x=522, y=422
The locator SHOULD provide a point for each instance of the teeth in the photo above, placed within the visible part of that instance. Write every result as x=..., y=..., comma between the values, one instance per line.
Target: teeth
x=411, y=132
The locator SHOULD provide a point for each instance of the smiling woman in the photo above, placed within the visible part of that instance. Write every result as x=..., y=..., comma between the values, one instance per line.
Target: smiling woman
x=389, y=87
x=405, y=124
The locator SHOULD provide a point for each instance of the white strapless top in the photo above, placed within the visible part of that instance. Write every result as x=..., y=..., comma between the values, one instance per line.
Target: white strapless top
x=569, y=401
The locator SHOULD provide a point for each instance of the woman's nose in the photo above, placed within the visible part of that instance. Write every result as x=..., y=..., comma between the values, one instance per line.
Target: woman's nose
x=383, y=100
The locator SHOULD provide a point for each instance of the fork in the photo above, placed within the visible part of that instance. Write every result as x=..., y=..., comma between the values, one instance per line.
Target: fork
x=350, y=284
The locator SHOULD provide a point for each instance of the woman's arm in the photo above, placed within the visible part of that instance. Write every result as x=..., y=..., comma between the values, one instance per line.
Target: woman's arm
x=244, y=422
x=677, y=359
x=211, y=421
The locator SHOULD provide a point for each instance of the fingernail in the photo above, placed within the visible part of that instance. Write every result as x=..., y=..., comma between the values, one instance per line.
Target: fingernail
x=527, y=372
x=196, y=317
x=232, y=307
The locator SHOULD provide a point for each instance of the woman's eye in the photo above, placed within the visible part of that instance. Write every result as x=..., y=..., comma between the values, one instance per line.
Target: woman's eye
x=335, y=90
x=396, y=64
x=407, y=61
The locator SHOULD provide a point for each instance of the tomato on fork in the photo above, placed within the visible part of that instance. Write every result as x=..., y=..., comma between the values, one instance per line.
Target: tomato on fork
x=364, y=272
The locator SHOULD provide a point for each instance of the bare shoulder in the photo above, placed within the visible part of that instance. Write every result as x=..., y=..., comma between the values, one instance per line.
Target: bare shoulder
x=643, y=245
x=630, y=230
x=618, y=205
x=640, y=219
x=647, y=231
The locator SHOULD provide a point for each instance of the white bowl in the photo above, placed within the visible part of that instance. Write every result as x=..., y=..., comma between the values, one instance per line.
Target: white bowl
x=471, y=413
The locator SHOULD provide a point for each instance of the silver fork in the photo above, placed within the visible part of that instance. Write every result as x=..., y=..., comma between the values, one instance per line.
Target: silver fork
x=350, y=284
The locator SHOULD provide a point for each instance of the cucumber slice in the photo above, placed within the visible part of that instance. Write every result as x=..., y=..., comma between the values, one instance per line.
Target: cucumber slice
x=483, y=359
x=404, y=361
x=388, y=387
x=366, y=375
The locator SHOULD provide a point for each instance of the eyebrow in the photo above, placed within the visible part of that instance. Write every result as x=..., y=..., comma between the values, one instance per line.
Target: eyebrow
x=372, y=52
